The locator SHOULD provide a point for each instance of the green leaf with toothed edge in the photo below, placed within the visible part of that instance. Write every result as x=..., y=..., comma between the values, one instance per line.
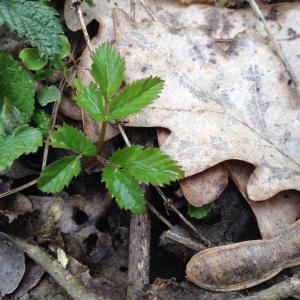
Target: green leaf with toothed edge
x=25, y=140
x=89, y=98
x=135, y=97
x=59, y=174
x=147, y=165
x=122, y=185
x=68, y=137
x=108, y=69
x=200, y=212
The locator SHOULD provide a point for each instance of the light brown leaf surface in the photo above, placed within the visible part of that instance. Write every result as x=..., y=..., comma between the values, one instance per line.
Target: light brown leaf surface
x=235, y=83
x=219, y=102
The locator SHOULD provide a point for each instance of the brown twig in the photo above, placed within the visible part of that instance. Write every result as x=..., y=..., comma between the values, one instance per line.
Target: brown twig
x=62, y=276
x=18, y=189
x=139, y=254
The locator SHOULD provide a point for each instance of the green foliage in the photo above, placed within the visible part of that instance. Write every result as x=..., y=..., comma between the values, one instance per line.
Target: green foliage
x=65, y=49
x=104, y=101
x=17, y=86
x=108, y=69
x=133, y=165
x=42, y=121
x=89, y=98
x=36, y=21
x=67, y=137
x=59, y=174
x=149, y=165
x=32, y=60
x=124, y=188
x=90, y=2
x=25, y=140
x=9, y=118
x=200, y=212
x=134, y=97
x=48, y=94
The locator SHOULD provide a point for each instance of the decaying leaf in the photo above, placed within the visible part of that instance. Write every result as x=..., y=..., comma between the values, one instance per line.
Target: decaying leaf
x=77, y=210
x=15, y=206
x=216, y=46
x=273, y=215
x=251, y=119
x=12, y=262
x=246, y=264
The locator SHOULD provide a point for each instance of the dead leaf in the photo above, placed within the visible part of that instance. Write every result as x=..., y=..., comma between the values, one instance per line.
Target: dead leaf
x=273, y=215
x=70, y=109
x=219, y=119
x=14, y=206
x=77, y=210
x=242, y=265
x=12, y=262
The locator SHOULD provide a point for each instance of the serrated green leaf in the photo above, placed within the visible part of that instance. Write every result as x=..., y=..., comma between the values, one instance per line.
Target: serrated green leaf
x=42, y=120
x=68, y=137
x=121, y=184
x=59, y=174
x=34, y=20
x=149, y=165
x=32, y=60
x=90, y=99
x=24, y=141
x=200, y=212
x=108, y=69
x=48, y=94
x=17, y=86
x=134, y=97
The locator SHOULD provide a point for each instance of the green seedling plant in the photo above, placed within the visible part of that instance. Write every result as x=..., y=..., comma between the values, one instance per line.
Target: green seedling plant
x=105, y=101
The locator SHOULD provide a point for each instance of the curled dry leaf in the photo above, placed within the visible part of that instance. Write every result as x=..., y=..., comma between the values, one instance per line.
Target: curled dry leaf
x=273, y=215
x=243, y=265
x=12, y=261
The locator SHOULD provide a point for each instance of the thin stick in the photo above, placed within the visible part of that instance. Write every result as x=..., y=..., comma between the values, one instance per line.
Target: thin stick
x=158, y=214
x=274, y=44
x=18, y=189
x=62, y=276
x=84, y=29
x=149, y=11
x=282, y=290
x=53, y=122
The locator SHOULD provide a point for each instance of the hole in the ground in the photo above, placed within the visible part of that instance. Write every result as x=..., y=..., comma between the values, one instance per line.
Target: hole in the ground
x=79, y=216
x=123, y=269
x=91, y=242
x=102, y=224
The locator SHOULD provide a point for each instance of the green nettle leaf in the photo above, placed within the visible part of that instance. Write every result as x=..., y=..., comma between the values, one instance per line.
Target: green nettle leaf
x=10, y=117
x=48, y=94
x=42, y=121
x=16, y=85
x=89, y=98
x=124, y=188
x=68, y=137
x=32, y=60
x=24, y=141
x=36, y=21
x=59, y=174
x=134, y=97
x=108, y=69
x=200, y=212
x=149, y=165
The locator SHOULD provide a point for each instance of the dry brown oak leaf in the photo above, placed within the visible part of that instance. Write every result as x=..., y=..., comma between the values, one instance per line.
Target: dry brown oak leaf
x=218, y=104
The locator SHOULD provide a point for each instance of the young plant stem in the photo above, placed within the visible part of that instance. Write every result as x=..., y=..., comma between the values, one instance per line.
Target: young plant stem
x=103, y=129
